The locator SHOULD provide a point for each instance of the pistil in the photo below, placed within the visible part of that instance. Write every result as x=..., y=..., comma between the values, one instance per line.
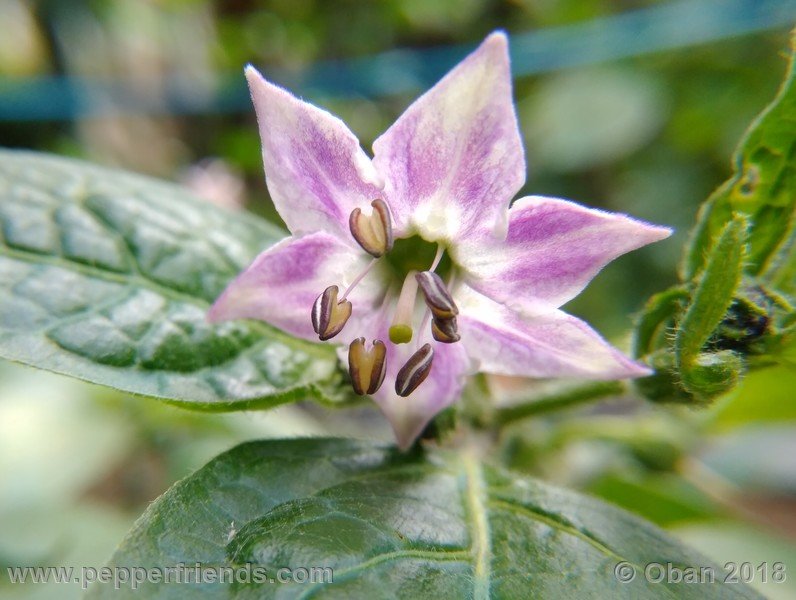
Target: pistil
x=401, y=327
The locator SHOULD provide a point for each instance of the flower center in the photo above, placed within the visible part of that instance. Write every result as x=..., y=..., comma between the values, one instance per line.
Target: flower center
x=424, y=267
x=416, y=254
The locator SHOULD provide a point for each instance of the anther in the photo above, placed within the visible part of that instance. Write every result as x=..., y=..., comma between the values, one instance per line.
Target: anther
x=373, y=232
x=415, y=371
x=328, y=315
x=438, y=298
x=401, y=327
x=445, y=330
x=367, y=367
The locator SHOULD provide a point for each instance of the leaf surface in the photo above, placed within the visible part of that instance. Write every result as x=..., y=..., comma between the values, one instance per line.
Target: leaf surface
x=425, y=525
x=107, y=277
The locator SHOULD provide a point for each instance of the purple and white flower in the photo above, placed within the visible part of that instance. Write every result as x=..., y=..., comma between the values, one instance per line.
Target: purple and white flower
x=413, y=259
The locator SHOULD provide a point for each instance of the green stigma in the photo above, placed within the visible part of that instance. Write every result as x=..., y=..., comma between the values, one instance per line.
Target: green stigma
x=400, y=334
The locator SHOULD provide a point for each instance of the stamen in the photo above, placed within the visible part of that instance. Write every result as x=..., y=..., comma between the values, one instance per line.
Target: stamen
x=401, y=327
x=366, y=367
x=328, y=315
x=437, y=258
x=415, y=371
x=373, y=232
x=445, y=330
x=423, y=323
x=357, y=279
x=438, y=299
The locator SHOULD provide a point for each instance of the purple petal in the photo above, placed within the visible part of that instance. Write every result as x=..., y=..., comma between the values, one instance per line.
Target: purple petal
x=282, y=283
x=315, y=169
x=548, y=343
x=443, y=386
x=553, y=249
x=455, y=159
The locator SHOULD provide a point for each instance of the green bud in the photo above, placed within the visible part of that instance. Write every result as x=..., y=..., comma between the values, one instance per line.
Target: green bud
x=663, y=385
x=712, y=374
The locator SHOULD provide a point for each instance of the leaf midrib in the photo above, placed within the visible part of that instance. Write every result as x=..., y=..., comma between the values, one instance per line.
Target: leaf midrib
x=481, y=546
x=478, y=500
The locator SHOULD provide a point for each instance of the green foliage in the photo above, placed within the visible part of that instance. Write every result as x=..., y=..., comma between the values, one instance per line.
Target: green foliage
x=438, y=525
x=730, y=313
x=107, y=277
x=765, y=396
x=663, y=498
x=711, y=374
x=713, y=292
x=762, y=189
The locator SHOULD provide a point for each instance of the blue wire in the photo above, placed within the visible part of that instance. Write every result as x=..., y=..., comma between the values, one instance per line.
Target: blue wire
x=675, y=25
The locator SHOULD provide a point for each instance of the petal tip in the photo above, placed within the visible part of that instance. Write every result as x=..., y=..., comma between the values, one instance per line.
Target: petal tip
x=215, y=312
x=407, y=433
x=224, y=309
x=252, y=74
x=498, y=39
x=633, y=369
x=661, y=232
x=495, y=47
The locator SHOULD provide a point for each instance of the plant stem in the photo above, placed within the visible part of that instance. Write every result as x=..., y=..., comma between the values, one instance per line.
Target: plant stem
x=553, y=402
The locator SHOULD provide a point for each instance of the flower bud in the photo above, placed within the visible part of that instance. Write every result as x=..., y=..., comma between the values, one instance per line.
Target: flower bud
x=415, y=371
x=712, y=374
x=367, y=367
x=329, y=316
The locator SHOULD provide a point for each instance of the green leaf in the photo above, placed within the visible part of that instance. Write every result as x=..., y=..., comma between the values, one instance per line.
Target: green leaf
x=107, y=277
x=660, y=310
x=763, y=188
x=663, y=498
x=436, y=525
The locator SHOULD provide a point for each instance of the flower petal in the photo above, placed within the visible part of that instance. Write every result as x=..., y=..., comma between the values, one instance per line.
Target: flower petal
x=409, y=416
x=455, y=159
x=553, y=249
x=547, y=343
x=282, y=283
x=315, y=169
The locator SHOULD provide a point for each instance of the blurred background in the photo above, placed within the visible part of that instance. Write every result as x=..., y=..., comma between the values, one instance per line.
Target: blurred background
x=629, y=105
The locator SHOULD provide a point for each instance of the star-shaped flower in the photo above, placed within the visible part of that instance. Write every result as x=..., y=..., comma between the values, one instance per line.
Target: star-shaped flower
x=414, y=260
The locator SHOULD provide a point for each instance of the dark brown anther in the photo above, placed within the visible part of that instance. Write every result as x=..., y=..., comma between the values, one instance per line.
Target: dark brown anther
x=438, y=299
x=415, y=371
x=328, y=315
x=445, y=330
x=374, y=232
x=367, y=367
